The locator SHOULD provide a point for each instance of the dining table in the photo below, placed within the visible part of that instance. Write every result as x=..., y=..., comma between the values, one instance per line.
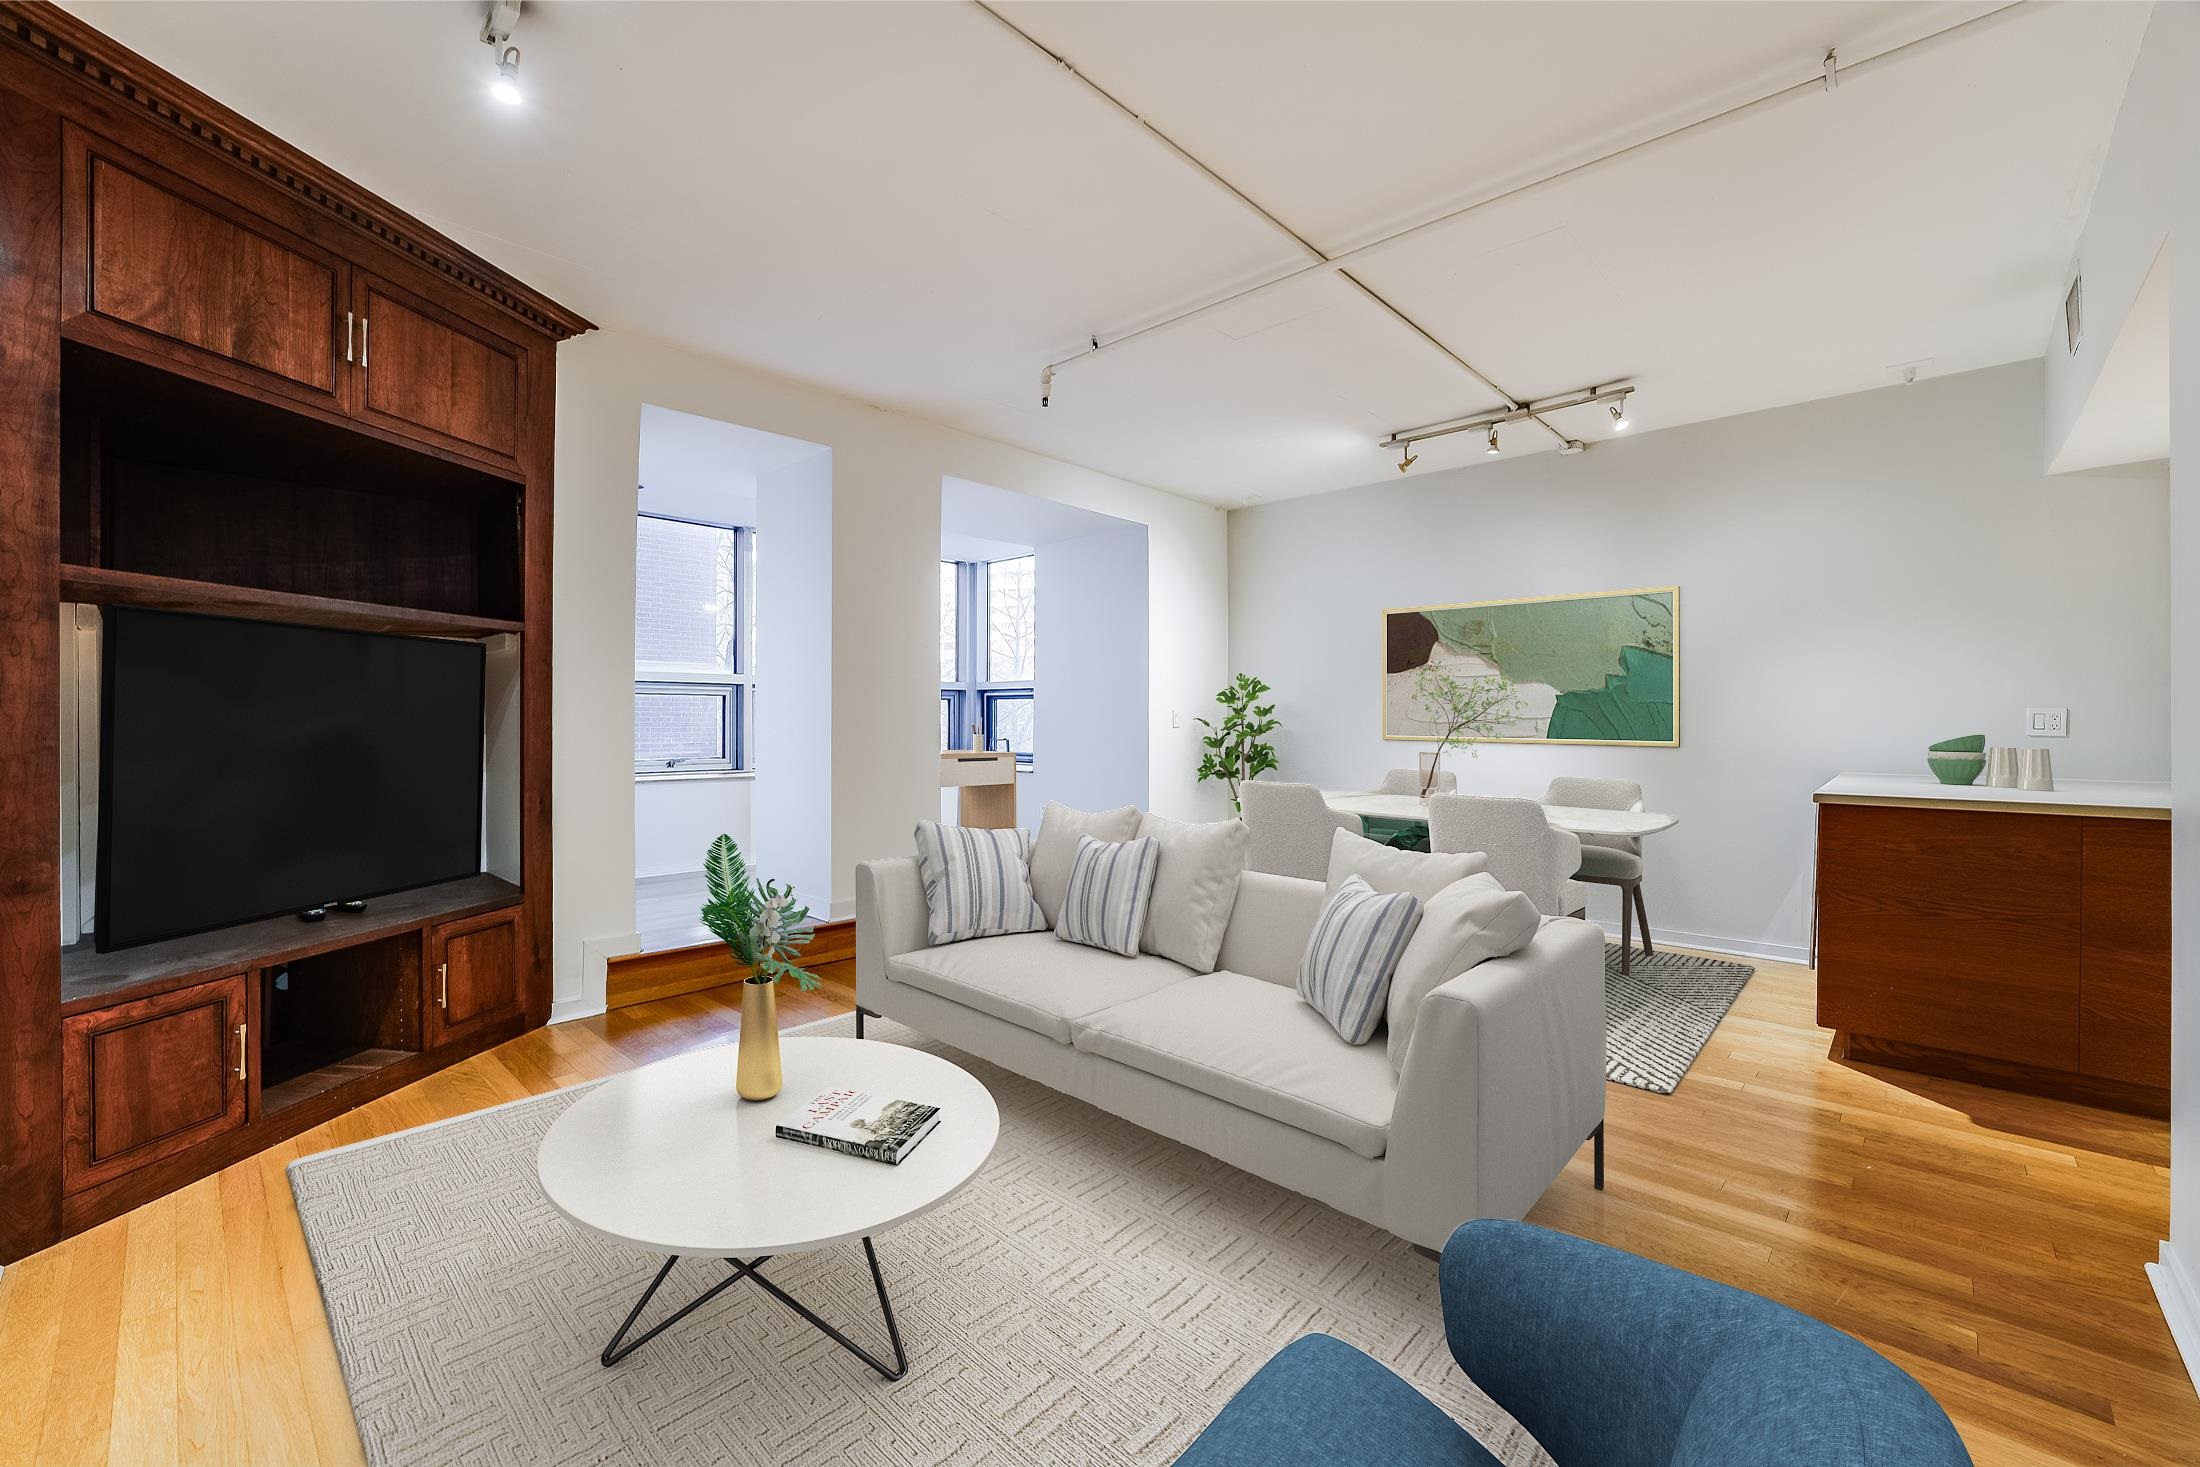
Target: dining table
x=1387, y=817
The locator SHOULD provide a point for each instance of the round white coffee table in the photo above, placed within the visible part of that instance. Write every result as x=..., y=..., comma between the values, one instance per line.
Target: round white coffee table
x=668, y=1159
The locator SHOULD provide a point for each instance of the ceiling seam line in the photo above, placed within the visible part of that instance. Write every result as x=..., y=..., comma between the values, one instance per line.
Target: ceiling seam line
x=1308, y=247
x=1335, y=264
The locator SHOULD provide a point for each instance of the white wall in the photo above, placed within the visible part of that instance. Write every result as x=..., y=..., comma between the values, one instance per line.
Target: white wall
x=2149, y=193
x=2126, y=222
x=1859, y=577
x=792, y=830
x=886, y=469
x=676, y=817
x=1090, y=693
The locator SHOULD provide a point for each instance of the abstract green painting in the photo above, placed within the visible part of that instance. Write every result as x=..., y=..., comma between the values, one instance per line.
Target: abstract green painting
x=1600, y=668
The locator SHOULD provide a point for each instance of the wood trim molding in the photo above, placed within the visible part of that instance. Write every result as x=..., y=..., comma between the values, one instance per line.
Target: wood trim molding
x=76, y=50
x=645, y=977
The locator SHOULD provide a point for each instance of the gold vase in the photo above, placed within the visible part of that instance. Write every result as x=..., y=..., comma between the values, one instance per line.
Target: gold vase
x=756, y=1072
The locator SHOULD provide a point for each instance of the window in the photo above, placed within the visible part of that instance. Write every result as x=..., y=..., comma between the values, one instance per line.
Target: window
x=693, y=702
x=1011, y=621
x=989, y=642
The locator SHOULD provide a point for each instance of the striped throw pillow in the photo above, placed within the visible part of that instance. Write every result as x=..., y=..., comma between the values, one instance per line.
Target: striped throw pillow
x=1345, y=973
x=1110, y=885
x=977, y=883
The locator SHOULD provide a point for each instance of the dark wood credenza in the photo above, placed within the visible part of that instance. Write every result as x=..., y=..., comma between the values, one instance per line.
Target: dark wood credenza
x=2004, y=937
x=234, y=382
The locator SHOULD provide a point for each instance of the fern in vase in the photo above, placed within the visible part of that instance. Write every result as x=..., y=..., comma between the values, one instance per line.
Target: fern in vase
x=760, y=921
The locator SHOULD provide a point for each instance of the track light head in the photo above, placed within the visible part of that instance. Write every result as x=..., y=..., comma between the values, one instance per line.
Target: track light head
x=506, y=87
x=1619, y=416
x=1046, y=387
x=1493, y=448
x=1407, y=458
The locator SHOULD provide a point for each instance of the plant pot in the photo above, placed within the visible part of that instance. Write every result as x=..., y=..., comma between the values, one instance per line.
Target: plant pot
x=756, y=1069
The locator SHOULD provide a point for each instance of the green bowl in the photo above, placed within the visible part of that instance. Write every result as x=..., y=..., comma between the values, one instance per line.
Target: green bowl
x=1956, y=768
x=1968, y=744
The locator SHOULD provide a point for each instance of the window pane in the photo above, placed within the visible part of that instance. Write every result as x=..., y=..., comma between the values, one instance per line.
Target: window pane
x=1009, y=719
x=686, y=612
x=1012, y=638
x=950, y=619
x=947, y=716
x=679, y=727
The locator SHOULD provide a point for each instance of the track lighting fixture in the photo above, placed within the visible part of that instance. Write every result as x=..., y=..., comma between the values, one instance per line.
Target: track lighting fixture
x=1406, y=456
x=496, y=33
x=1611, y=395
x=506, y=87
x=1046, y=387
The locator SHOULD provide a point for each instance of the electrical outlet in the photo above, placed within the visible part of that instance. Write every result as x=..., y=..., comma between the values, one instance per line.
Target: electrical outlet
x=2047, y=723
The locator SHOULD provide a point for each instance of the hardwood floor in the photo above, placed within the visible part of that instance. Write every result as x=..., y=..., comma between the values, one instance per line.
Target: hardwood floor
x=1990, y=1244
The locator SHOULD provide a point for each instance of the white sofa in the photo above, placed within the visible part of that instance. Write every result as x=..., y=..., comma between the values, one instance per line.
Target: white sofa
x=1502, y=1079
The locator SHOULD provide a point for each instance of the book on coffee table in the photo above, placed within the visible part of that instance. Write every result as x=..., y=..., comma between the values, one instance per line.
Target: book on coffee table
x=859, y=1123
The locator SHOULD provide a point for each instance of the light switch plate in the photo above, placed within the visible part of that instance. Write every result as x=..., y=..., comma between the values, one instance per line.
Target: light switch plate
x=2047, y=723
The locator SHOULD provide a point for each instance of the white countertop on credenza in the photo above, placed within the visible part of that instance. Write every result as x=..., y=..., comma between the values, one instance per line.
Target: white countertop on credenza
x=2132, y=798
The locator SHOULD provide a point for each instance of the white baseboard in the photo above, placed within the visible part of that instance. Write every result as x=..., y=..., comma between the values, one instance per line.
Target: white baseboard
x=1777, y=952
x=2180, y=1301
x=565, y=1009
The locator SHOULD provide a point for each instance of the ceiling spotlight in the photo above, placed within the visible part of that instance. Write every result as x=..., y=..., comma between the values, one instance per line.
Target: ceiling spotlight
x=1046, y=387
x=496, y=33
x=1406, y=457
x=506, y=87
x=1619, y=416
x=1493, y=448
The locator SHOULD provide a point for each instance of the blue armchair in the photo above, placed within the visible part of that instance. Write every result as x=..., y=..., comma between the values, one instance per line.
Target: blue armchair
x=1609, y=1360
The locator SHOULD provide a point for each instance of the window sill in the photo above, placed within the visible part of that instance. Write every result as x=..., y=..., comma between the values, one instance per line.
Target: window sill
x=681, y=776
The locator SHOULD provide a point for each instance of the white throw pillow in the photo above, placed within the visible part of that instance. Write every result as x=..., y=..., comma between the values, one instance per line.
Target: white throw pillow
x=1355, y=946
x=1468, y=922
x=1194, y=889
x=1055, y=851
x=1110, y=886
x=1386, y=868
x=977, y=883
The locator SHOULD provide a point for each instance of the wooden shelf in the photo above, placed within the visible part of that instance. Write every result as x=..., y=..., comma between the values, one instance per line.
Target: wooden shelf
x=92, y=979
x=104, y=587
x=328, y=1072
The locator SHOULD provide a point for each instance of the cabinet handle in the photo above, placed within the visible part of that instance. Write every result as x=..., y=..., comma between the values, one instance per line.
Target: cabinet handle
x=347, y=336
x=443, y=985
x=362, y=343
x=240, y=1051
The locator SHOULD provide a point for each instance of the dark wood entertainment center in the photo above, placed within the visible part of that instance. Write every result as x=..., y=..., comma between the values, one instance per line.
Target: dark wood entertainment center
x=234, y=382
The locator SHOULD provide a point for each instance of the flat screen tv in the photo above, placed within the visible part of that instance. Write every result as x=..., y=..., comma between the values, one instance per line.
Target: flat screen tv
x=250, y=769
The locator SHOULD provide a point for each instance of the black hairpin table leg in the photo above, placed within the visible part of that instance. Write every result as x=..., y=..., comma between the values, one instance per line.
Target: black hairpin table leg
x=621, y=1347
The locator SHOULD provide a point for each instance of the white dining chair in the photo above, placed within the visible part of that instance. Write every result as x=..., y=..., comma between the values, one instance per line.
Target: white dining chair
x=1610, y=860
x=1526, y=853
x=1408, y=782
x=1291, y=826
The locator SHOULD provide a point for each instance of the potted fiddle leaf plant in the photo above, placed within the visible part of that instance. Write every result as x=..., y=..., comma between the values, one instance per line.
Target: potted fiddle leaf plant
x=1236, y=745
x=765, y=928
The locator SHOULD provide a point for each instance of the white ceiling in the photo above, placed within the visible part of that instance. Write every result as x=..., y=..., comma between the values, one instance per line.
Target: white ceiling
x=909, y=204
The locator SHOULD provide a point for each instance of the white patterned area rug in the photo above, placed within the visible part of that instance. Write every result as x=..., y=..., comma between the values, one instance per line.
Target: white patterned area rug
x=1659, y=1016
x=1093, y=1297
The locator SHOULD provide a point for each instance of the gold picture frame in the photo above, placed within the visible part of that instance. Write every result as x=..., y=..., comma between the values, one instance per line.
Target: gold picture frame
x=1610, y=706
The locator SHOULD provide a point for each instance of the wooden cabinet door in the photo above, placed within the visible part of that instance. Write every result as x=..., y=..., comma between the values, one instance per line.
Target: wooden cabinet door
x=150, y=1078
x=473, y=975
x=170, y=272
x=1955, y=930
x=435, y=376
x=2123, y=998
